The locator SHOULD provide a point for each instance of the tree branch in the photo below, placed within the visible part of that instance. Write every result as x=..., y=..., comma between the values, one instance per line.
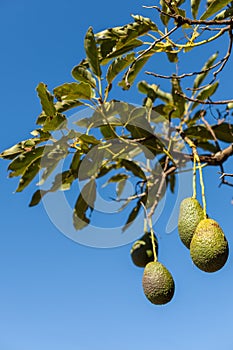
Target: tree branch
x=222, y=102
x=215, y=159
x=185, y=20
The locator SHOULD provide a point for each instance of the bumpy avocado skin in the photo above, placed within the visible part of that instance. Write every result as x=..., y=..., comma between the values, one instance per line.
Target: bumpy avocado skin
x=142, y=250
x=191, y=213
x=209, y=248
x=158, y=283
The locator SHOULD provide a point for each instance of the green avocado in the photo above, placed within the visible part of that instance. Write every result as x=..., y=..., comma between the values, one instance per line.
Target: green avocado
x=209, y=247
x=158, y=284
x=191, y=213
x=142, y=250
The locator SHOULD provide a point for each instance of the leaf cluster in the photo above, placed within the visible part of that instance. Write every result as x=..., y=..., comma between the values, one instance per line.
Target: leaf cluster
x=116, y=136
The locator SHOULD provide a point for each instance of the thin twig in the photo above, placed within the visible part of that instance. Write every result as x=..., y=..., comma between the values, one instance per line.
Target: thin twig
x=211, y=159
x=185, y=74
x=225, y=58
x=146, y=52
x=225, y=174
x=185, y=20
x=217, y=145
x=204, y=102
x=159, y=192
x=224, y=181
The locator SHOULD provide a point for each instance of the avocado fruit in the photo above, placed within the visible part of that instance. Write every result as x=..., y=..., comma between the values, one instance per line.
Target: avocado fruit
x=209, y=247
x=142, y=250
x=158, y=283
x=191, y=213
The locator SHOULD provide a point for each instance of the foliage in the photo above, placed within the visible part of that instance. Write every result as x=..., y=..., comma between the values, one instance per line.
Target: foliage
x=116, y=133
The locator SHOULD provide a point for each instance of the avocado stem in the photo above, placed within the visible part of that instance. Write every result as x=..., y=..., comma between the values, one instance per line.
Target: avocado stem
x=197, y=159
x=194, y=178
x=153, y=240
x=202, y=187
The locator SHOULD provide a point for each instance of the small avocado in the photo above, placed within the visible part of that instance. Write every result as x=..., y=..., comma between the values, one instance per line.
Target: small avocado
x=142, y=250
x=209, y=247
x=191, y=213
x=158, y=283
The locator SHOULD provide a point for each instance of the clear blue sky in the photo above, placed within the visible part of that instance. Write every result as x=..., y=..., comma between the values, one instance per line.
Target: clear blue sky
x=57, y=294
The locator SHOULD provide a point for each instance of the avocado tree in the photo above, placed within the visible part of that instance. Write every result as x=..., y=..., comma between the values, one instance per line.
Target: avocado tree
x=178, y=122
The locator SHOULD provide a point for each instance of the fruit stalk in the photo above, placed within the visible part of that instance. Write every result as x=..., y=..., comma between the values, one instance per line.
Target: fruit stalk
x=153, y=240
x=194, y=178
x=196, y=158
x=202, y=187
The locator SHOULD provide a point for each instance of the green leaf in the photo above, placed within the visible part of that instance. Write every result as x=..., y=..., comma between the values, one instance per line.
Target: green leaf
x=198, y=132
x=105, y=169
x=143, y=24
x=81, y=73
x=19, y=165
x=122, y=50
x=36, y=198
x=136, y=122
x=103, y=115
x=89, y=139
x=63, y=106
x=207, y=146
x=197, y=116
x=133, y=72
x=23, y=146
x=178, y=100
x=41, y=119
x=75, y=163
x=92, y=52
x=172, y=56
x=224, y=132
x=214, y=7
x=106, y=46
x=162, y=111
x=46, y=100
x=133, y=215
x=224, y=14
x=13, y=151
x=62, y=181
x=74, y=91
x=205, y=94
x=118, y=65
x=85, y=201
x=200, y=77
x=118, y=40
x=152, y=89
x=133, y=168
x=107, y=132
x=120, y=187
x=165, y=8
x=194, y=7
x=147, y=89
x=29, y=174
x=116, y=178
x=59, y=121
x=50, y=166
x=52, y=156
